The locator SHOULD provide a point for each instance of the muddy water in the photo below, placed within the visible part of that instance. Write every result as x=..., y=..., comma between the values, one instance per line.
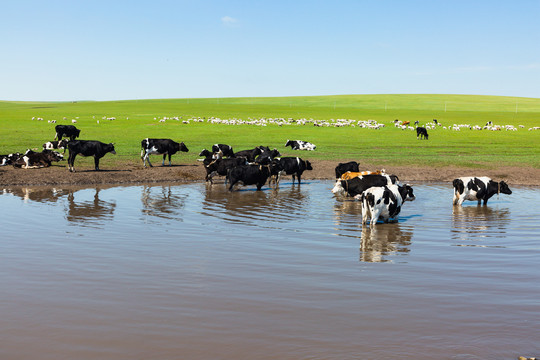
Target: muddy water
x=195, y=272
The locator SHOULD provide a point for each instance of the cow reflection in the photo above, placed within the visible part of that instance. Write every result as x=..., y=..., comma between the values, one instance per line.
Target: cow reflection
x=378, y=243
x=38, y=194
x=88, y=211
x=161, y=201
x=483, y=221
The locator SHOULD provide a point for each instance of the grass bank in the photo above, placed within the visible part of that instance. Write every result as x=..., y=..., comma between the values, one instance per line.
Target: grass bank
x=138, y=119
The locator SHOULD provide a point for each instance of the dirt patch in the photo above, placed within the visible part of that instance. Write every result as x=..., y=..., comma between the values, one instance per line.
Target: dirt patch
x=133, y=173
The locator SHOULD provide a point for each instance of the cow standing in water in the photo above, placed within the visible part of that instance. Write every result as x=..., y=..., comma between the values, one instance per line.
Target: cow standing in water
x=477, y=189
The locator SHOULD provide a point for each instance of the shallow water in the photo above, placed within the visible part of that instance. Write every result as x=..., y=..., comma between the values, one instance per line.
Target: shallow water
x=195, y=272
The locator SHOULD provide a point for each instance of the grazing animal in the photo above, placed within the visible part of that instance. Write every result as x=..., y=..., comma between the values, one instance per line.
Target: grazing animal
x=68, y=131
x=404, y=123
x=421, y=132
x=250, y=175
x=344, y=167
x=9, y=159
x=300, y=145
x=358, y=185
x=97, y=149
x=34, y=160
x=384, y=202
x=477, y=189
x=160, y=146
x=56, y=144
x=294, y=166
x=220, y=166
x=225, y=149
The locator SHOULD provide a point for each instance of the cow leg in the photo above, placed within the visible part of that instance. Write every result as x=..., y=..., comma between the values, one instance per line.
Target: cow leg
x=96, y=163
x=170, y=160
x=163, y=162
x=299, y=178
x=293, y=179
x=71, y=161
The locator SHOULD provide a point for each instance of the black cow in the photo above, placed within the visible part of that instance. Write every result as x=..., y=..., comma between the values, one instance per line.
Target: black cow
x=57, y=144
x=220, y=166
x=209, y=154
x=225, y=149
x=69, y=131
x=342, y=168
x=97, y=149
x=249, y=175
x=34, y=160
x=160, y=146
x=249, y=155
x=358, y=185
x=9, y=159
x=294, y=166
x=421, y=132
x=477, y=189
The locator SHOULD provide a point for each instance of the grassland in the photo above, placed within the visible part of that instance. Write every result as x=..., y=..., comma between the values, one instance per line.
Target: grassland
x=137, y=119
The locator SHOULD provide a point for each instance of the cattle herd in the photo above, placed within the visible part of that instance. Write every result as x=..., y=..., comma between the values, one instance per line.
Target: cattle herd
x=380, y=194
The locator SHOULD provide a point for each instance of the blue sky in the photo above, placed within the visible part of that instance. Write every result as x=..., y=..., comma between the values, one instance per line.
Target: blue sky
x=109, y=50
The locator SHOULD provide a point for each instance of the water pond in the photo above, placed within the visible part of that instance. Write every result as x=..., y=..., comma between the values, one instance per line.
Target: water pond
x=195, y=272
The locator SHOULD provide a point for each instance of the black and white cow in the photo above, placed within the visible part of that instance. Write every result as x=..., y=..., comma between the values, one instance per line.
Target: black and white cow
x=384, y=202
x=226, y=150
x=300, y=145
x=9, y=159
x=160, y=147
x=249, y=175
x=94, y=148
x=220, y=166
x=293, y=166
x=34, y=160
x=209, y=154
x=69, y=131
x=421, y=132
x=56, y=144
x=358, y=185
x=477, y=189
x=342, y=168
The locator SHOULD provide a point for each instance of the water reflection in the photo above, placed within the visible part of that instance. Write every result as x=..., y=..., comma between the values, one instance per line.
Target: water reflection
x=248, y=206
x=162, y=202
x=42, y=195
x=379, y=241
x=471, y=222
x=87, y=212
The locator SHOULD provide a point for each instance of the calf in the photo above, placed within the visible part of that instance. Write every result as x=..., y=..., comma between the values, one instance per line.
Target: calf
x=384, y=202
x=9, y=159
x=249, y=175
x=97, y=149
x=477, y=189
x=34, y=160
x=421, y=132
x=225, y=149
x=293, y=166
x=358, y=185
x=69, y=131
x=160, y=146
x=300, y=145
x=56, y=144
x=220, y=166
x=344, y=167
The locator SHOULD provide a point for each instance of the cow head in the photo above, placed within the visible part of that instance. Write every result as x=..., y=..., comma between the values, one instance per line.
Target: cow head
x=308, y=165
x=289, y=143
x=406, y=192
x=110, y=148
x=205, y=153
x=503, y=188
x=62, y=144
x=183, y=147
x=338, y=188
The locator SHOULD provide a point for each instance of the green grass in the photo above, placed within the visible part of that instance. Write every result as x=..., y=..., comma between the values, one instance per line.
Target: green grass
x=387, y=146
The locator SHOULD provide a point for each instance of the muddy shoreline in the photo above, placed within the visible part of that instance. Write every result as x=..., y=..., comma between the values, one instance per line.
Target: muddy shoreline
x=134, y=173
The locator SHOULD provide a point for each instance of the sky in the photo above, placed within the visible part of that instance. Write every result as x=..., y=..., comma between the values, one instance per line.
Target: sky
x=119, y=50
